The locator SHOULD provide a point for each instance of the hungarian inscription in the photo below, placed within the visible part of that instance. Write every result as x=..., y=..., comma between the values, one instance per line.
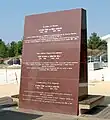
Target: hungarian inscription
x=49, y=66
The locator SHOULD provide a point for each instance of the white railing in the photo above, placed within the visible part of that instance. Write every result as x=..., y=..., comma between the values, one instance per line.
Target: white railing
x=8, y=76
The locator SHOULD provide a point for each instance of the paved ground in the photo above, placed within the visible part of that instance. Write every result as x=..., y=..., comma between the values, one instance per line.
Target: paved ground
x=9, y=89
x=99, y=87
x=13, y=114
x=100, y=112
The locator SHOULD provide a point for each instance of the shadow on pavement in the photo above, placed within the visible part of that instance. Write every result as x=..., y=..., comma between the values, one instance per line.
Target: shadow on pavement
x=96, y=110
x=12, y=115
x=106, y=101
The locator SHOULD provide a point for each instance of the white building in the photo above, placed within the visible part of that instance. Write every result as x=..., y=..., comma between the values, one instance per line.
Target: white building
x=102, y=74
x=107, y=38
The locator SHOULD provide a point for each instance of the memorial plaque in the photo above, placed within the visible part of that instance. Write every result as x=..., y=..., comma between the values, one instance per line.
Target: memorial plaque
x=54, y=63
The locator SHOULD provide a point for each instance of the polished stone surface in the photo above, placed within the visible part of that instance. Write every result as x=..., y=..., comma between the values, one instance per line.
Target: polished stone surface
x=54, y=61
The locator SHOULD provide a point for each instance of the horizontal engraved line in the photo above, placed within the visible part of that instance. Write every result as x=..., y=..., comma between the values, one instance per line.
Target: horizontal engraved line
x=51, y=78
x=50, y=62
x=83, y=84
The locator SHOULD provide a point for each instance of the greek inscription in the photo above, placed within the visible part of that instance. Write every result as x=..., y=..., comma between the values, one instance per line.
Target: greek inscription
x=50, y=28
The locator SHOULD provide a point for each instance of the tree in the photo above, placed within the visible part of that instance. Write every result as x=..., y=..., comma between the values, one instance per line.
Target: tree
x=20, y=47
x=13, y=50
x=8, y=50
x=94, y=42
x=103, y=45
x=3, y=49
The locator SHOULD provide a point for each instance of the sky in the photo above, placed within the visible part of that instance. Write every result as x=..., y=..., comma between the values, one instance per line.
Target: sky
x=12, y=13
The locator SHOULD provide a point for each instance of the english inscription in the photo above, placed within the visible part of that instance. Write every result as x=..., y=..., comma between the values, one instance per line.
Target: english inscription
x=52, y=38
x=48, y=97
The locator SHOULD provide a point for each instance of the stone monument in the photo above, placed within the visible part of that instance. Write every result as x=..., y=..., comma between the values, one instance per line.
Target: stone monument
x=54, y=61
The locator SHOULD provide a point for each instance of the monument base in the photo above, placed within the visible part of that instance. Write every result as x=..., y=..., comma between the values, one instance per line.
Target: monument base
x=86, y=102
x=89, y=102
x=16, y=98
x=7, y=101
